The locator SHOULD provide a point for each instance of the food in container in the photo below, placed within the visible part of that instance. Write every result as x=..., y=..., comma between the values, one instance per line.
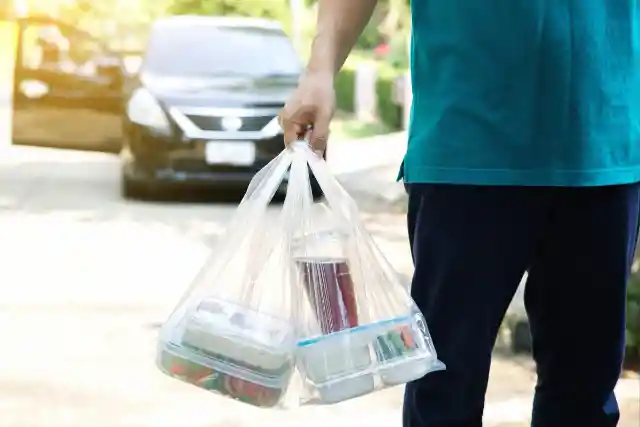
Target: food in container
x=237, y=352
x=254, y=389
x=340, y=365
x=405, y=361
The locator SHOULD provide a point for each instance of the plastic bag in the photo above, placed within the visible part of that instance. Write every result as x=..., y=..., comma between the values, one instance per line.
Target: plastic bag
x=231, y=333
x=357, y=327
x=300, y=308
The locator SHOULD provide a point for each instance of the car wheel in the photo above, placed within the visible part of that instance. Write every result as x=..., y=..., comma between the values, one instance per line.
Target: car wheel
x=134, y=190
x=521, y=338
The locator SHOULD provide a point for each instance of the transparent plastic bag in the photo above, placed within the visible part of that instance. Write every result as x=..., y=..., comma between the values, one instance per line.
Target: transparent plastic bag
x=231, y=333
x=357, y=328
x=300, y=308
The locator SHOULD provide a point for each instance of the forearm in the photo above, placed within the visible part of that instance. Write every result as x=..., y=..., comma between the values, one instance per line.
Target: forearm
x=340, y=23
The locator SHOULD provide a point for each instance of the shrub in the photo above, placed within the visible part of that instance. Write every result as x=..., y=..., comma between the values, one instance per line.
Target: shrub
x=345, y=85
x=633, y=315
x=370, y=37
x=398, y=54
x=390, y=113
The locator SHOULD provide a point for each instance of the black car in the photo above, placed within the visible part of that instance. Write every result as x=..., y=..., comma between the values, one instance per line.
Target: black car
x=204, y=108
x=200, y=109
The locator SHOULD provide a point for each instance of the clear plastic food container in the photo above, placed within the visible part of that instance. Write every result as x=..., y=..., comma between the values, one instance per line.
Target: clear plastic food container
x=356, y=361
x=239, y=353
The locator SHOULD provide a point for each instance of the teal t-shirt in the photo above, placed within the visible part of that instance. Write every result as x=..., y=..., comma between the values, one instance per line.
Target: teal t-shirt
x=525, y=92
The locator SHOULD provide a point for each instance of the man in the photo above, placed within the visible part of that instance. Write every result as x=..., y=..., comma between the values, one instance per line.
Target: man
x=523, y=154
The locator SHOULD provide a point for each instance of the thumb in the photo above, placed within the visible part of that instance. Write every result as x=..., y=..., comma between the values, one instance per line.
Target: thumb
x=320, y=132
x=292, y=132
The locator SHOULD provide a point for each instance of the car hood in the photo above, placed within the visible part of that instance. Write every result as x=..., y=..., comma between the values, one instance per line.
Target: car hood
x=221, y=92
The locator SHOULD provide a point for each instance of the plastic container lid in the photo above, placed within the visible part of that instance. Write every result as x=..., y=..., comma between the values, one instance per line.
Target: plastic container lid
x=366, y=333
x=244, y=326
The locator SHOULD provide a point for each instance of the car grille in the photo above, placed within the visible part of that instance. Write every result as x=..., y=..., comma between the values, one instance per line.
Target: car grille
x=211, y=123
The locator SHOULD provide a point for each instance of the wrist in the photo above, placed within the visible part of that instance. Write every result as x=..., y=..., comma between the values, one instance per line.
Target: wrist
x=321, y=65
x=319, y=73
x=324, y=56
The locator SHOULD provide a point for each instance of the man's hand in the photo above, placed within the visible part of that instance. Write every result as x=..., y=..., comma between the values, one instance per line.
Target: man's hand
x=309, y=111
x=312, y=105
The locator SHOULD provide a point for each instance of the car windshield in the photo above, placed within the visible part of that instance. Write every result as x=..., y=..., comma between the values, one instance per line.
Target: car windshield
x=208, y=51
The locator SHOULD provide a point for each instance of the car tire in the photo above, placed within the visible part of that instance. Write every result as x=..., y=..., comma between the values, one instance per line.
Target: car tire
x=134, y=190
x=521, y=342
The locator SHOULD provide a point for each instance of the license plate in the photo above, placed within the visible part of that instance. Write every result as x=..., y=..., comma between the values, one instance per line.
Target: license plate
x=236, y=153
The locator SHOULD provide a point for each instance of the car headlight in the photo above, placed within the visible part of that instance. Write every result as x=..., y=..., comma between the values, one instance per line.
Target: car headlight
x=272, y=128
x=145, y=110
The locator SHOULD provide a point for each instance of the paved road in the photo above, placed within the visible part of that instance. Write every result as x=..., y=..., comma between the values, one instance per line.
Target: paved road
x=87, y=278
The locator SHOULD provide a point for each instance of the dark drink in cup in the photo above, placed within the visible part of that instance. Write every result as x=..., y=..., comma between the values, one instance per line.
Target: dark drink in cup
x=329, y=285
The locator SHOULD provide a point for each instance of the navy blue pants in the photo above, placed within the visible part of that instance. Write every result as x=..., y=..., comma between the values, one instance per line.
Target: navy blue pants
x=471, y=246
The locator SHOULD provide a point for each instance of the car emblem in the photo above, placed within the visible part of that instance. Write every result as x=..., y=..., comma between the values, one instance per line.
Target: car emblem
x=231, y=124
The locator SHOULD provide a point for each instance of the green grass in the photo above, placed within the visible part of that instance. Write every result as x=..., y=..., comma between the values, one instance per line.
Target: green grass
x=344, y=128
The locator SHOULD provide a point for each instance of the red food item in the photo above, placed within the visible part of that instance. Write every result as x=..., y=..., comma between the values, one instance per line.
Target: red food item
x=407, y=337
x=177, y=369
x=330, y=288
x=248, y=391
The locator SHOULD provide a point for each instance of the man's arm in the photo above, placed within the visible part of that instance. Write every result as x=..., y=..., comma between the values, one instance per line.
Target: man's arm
x=340, y=23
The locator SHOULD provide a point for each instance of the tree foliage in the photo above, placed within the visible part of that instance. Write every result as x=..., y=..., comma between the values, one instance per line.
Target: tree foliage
x=391, y=19
x=273, y=9
x=120, y=24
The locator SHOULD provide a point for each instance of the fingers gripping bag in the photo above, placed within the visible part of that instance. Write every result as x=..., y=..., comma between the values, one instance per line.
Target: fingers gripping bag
x=357, y=327
x=231, y=333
